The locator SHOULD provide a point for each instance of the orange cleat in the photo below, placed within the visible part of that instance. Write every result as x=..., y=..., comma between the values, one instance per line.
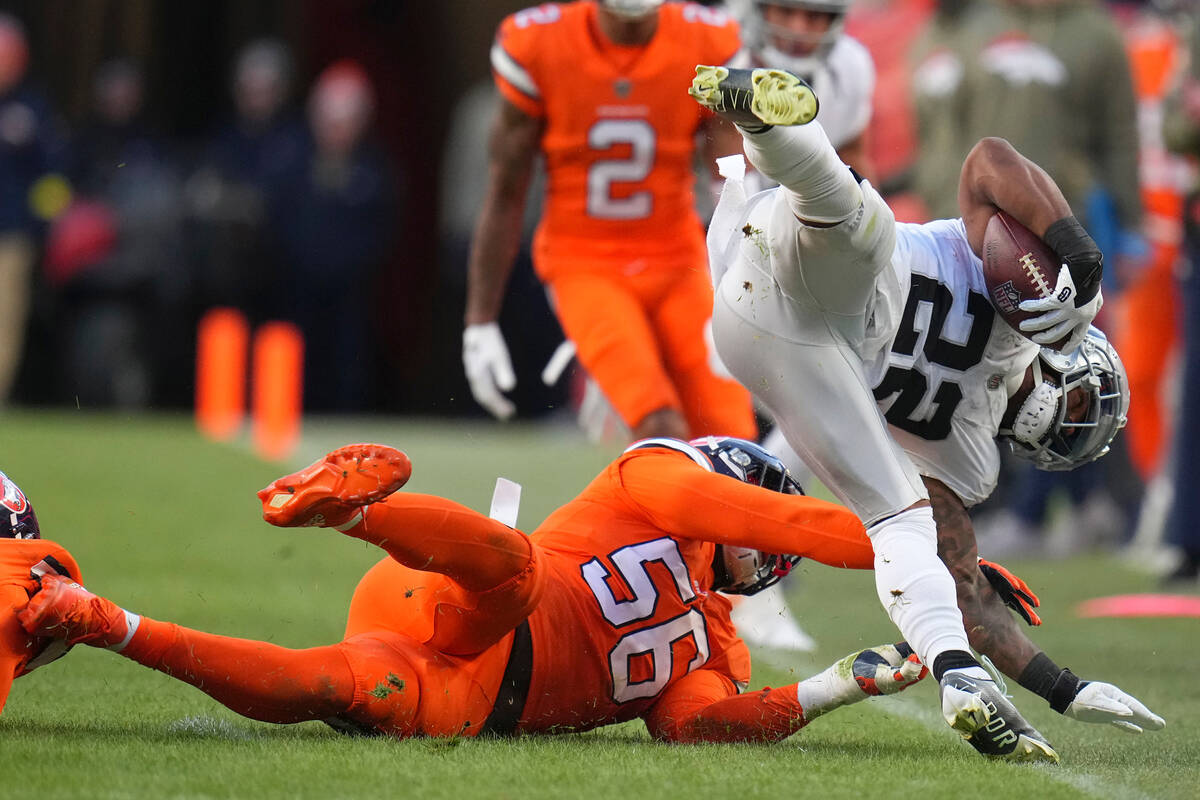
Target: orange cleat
x=62, y=609
x=330, y=492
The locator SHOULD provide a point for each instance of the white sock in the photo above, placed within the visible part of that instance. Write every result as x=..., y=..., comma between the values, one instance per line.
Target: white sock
x=831, y=688
x=820, y=187
x=914, y=585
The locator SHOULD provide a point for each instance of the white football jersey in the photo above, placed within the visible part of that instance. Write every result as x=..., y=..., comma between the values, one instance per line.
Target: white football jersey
x=943, y=381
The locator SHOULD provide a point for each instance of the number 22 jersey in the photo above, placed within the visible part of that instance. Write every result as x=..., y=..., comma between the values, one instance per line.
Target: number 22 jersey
x=943, y=379
x=619, y=132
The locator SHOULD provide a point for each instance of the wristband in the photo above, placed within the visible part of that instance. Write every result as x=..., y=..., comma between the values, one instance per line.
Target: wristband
x=1078, y=250
x=1057, y=685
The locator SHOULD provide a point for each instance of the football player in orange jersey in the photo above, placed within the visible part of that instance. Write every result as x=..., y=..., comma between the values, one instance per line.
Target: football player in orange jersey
x=24, y=554
x=598, y=87
x=607, y=612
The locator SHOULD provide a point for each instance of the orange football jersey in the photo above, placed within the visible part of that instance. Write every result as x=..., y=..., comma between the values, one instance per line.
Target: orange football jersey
x=628, y=610
x=17, y=648
x=619, y=135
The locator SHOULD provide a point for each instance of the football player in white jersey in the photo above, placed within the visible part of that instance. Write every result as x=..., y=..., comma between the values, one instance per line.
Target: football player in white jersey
x=807, y=38
x=875, y=348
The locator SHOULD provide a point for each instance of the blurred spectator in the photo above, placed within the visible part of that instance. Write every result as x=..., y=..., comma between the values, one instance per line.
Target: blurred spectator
x=939, y=58
x=114, y=258
x=1182, y=134
x=331, y=213
x=32, y=190
x=227, y=192
x=1052, y=77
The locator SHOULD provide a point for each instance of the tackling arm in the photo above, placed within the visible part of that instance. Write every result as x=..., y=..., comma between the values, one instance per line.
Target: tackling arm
x=683, y=498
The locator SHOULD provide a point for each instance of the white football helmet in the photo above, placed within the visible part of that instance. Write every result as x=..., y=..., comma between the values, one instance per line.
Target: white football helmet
x=776, y=46
x=631, y=9
x=1041, y=431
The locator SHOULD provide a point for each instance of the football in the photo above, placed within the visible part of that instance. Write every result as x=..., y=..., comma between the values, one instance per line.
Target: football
x=1017, y=266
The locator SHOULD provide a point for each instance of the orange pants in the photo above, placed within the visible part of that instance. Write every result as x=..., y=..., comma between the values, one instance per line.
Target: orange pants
x=424, y=651
x=644, y=339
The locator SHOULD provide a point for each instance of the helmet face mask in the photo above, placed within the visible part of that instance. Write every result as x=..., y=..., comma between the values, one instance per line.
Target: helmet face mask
x=17, y=520
x=744, y=570
x=1079, y=403
x=631, y=9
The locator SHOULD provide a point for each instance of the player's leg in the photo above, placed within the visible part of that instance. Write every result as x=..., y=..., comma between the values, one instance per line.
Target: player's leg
x=713, y=401
x=821, y=399
x=487, y=576
x=255, y=679
x=616, y=343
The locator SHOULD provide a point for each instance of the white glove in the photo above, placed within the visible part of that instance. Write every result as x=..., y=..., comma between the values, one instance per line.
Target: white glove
x=1061, y=318
x=1103, y=702
x=488, y=367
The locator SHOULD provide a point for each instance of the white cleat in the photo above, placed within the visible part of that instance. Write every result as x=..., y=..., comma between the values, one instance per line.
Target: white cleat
x=989, y=722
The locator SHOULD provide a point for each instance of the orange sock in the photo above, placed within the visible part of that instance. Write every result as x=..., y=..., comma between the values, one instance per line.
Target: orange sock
x=256, y=679
x=434, y=534
x=768, y=715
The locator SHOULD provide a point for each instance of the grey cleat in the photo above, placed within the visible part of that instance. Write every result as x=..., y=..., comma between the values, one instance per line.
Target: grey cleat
x=989, y=722
x=754, y=98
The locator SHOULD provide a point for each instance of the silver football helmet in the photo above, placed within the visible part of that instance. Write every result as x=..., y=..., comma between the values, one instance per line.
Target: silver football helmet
x=631, y=9
x=778, y=46
x=1044, y=432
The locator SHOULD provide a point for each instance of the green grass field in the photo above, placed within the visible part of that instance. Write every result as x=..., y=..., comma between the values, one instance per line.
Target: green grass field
x=167, y=524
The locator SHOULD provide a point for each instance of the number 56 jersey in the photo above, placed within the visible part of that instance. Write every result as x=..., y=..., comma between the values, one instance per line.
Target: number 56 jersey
x=619, y=132
x=629, y=607
x=943, y=379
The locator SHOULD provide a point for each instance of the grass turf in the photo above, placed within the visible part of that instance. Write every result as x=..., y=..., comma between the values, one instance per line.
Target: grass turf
x=167, y=524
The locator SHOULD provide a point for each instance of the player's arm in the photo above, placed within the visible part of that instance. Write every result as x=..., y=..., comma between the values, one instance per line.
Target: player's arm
x=512, y=148
x=995, y=176
x=704, y=706
x=681, y=497
x=993, y=631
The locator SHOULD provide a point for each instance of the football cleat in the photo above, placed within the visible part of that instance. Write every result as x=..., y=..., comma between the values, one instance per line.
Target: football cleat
x=62, y=609
x=755, y=99
x=989, y=722
x=330, y=492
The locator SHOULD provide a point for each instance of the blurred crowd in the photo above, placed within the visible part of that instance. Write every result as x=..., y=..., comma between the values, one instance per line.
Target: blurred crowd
x=115, y=239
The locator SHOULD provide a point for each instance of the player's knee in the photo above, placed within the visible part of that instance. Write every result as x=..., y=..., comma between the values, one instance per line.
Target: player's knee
x=387, y=686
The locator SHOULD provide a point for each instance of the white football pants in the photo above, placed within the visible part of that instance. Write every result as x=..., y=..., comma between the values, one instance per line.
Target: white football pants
x=794, y=319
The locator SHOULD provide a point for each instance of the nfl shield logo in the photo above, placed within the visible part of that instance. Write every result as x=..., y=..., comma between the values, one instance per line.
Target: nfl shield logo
x=623, y=87
x=1006, y=297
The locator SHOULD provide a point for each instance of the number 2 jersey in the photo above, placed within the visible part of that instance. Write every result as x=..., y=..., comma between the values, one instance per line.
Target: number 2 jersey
x=619, y=132
x=629, y=611
x=944, y=377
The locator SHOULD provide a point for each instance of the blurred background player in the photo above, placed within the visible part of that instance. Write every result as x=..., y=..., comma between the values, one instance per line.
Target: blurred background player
x=32, y=190
x=597, y=88
x=808, y=39
x=459, y=630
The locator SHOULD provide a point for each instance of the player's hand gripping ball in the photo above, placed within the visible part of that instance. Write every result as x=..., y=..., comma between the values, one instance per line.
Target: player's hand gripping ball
x=1017, y=266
